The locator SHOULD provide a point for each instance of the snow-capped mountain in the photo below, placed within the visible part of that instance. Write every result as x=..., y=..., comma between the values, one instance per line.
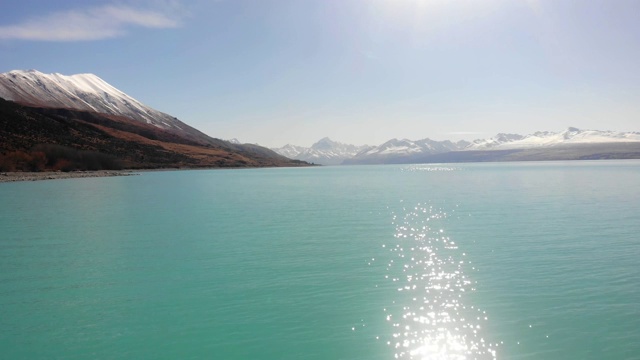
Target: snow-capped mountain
x=405, y=150
x=540, y=139
x=324, y=152
x=570, y=144
x=291, y=151
x=405, y=146
x=86, y=92
x=85, y=98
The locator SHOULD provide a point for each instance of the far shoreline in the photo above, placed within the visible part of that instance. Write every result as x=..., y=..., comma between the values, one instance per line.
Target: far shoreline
x=17, y=176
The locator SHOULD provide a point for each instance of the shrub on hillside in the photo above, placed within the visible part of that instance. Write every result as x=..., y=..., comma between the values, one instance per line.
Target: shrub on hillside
x=65, y=158
x=22, y=161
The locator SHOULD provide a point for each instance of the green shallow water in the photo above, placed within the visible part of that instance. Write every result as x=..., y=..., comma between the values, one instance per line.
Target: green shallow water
x=464, y=261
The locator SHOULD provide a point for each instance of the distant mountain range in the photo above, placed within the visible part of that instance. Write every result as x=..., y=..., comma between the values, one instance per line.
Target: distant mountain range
x=54, y=121
x=571, y=144
x=84, y=113
x=570, y=136
x=324, y=152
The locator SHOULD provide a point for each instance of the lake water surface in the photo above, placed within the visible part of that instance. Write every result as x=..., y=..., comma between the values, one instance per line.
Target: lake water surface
x=450, y=261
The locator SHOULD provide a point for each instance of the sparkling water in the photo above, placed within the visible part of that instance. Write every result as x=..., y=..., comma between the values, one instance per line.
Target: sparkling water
x=448, y=261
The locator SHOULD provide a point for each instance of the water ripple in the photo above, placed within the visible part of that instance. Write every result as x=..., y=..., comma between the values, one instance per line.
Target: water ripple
x=431, y=316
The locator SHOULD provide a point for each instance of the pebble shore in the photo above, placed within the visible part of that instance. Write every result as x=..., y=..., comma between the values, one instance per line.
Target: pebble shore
x=37, y=176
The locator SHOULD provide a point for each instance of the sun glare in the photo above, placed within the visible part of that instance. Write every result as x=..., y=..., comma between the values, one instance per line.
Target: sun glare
x=425, y=15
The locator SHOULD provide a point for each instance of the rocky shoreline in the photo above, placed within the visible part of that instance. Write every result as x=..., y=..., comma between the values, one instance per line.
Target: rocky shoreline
x=37, y=176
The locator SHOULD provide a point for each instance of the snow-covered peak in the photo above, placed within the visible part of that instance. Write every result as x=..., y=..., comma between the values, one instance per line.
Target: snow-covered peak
x=81, y=91
x=325, y=151
x=405, y=147
x=70, y=84
x=86, y=92
x=290, y=151
x=395, y=146
x=324, y=144
x=571, y=135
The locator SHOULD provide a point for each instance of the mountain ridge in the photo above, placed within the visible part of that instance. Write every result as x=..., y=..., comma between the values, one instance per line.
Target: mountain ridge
x=102, y=119
x=503, y=144
x=571, y=135
x=324, y=152
x=87, y=92
x=76, y=95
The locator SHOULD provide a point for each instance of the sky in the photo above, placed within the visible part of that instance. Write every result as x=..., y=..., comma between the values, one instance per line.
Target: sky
x=276, y=72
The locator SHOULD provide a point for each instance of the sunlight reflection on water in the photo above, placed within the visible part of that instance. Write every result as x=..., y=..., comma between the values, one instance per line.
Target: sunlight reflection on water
x=413, y=168
x=429, y=316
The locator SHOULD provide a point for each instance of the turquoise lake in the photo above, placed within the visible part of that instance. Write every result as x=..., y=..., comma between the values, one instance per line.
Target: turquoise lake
x=449, y=261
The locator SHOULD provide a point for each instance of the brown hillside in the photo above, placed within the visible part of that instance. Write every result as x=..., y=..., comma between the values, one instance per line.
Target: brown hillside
x=130, y=144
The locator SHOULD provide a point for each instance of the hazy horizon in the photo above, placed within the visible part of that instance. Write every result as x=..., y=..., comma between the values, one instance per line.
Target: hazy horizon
x=358, y=72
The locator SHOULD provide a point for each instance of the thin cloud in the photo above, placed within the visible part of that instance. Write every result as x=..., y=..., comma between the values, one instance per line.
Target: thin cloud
x=96, y=23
